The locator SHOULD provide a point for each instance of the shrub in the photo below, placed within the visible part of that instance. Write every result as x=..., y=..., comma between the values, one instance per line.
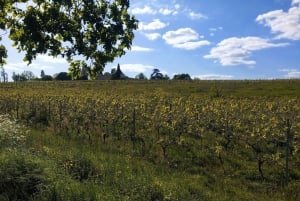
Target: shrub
x=20, y=178
x=80, y=168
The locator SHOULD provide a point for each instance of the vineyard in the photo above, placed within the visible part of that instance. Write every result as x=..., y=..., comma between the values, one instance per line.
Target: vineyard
x=245, y=133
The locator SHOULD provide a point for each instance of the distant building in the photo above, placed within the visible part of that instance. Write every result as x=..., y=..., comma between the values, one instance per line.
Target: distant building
x=118, y=74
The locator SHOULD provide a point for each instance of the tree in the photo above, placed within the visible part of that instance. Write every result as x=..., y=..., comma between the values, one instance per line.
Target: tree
x=25, y=76
x=62, y=76
x=156, y=75
x=42, y=74
x=141, y=76
x=166, y=77
x=15, y=77
x=3, y=22
x=3, y=75
x=47, y=78
x=182, y=77
x=95, y=31
x=28, y=75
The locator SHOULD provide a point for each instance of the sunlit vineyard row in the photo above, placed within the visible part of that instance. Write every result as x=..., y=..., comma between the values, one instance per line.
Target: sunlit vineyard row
x=264, y=131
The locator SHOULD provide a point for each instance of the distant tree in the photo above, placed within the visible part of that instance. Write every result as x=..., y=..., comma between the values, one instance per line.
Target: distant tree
x=63, y=76
x=28, y=75
x=47, y=78
x=166, y=77
x=140, y=76
x=156, y=75
x=3, y=75
x=182, y=77
x=107, y=74
x=42, y=74
x=25, y=76
x=15, y=77
x=113, y=71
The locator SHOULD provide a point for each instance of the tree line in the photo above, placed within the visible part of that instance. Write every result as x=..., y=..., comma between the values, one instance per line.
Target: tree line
x=116, y=74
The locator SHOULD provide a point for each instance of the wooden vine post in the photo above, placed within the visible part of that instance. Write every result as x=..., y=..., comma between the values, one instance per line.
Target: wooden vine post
x=287, y=150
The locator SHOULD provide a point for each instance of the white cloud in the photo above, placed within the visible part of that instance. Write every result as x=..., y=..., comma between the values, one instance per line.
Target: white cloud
x=177, y=6
x=216, y=29
x=140, y=49
x=192, y=45
x=165, y=11
x=153, y=36
x=195, y=16
x=143, y=11
x=213, y=77
x=235, y=51
x=21, y=66
x=154, y=25
x=168, y=11
x=136, y=68
x=285, y=24
x=291, y=73
x=50, y=59
x=295, y=2
x=15, y=66
x=184, y=38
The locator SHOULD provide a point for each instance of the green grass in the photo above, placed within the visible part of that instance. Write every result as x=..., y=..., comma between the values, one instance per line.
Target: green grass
x=117, y=175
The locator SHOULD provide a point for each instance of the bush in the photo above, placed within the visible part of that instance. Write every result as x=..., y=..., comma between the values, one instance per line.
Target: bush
x=80, y=168
x=20, y=178
x=142, y=192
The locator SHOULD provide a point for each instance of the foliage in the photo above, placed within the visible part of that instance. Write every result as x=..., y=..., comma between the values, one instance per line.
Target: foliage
x=156, y=75
x=80, y=168
x=98, y=31
x=3, y=74
x=47, y=78
x=20, y=178
x=182, y=77
x=62, y=76
x=141, y=76
x=24, y=76
x=3, y=53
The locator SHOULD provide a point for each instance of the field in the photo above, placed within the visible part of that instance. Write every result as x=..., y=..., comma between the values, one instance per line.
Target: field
x=150, y=140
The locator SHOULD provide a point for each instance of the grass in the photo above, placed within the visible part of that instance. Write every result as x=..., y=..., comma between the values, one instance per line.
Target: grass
x=115, y=175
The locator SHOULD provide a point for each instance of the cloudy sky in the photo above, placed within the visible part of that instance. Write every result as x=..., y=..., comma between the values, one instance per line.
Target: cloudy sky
x=215, y=39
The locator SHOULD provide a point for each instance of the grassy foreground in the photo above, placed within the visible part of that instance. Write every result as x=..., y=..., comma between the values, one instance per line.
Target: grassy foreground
x=57, y=157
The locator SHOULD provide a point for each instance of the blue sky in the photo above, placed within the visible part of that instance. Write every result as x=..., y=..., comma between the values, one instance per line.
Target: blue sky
x=215, y=39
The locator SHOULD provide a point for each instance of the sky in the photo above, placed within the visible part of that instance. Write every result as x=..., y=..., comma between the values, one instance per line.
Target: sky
x=215, y=39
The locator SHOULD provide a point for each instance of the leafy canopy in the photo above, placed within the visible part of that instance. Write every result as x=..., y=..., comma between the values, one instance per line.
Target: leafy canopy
x=88, y=33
